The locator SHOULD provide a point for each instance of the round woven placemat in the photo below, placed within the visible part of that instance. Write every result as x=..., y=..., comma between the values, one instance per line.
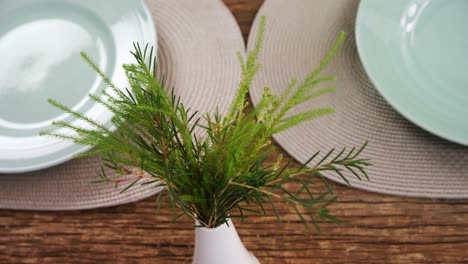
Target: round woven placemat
x=198, y=41
x=406, y=160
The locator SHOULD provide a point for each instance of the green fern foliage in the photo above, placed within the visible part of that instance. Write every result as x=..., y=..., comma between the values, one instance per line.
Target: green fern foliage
x=224, y=173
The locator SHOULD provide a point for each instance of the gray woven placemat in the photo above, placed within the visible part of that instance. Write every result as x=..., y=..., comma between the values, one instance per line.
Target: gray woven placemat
x=198, y=41
x=406, y=160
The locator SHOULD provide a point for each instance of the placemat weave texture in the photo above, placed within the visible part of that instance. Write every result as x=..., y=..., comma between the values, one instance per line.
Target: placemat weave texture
x=406, y=160
x=198, y=41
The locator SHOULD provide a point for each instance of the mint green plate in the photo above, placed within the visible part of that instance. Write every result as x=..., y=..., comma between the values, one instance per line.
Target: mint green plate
x=40, y=42
x=416, y=54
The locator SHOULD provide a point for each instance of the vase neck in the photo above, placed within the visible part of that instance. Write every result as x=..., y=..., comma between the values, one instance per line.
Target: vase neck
x=220, y=245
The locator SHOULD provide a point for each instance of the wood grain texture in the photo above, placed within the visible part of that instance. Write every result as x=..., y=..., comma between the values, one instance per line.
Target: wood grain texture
x=376, y=228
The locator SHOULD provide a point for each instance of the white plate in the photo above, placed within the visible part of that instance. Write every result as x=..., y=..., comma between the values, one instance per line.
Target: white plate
x=40, y=44
x=415, y=52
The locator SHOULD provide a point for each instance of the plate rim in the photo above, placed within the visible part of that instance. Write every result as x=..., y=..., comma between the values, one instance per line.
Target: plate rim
x=379, y=87
x=152, y=34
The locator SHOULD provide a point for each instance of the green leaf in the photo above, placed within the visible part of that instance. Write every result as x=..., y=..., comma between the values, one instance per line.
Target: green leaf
x=302, y=117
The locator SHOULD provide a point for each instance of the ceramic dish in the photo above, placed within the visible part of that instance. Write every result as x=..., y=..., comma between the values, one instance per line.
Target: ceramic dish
x=40, y=44
x=415, y=52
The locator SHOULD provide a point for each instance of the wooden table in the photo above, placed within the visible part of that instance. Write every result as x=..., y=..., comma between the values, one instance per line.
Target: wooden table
x=376, y=228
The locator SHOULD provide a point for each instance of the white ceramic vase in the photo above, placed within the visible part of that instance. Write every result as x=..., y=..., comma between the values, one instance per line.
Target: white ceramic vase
x=220, y=245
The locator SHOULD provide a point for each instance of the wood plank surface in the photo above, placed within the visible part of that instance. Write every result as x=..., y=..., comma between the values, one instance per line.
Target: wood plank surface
x=376, y=228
